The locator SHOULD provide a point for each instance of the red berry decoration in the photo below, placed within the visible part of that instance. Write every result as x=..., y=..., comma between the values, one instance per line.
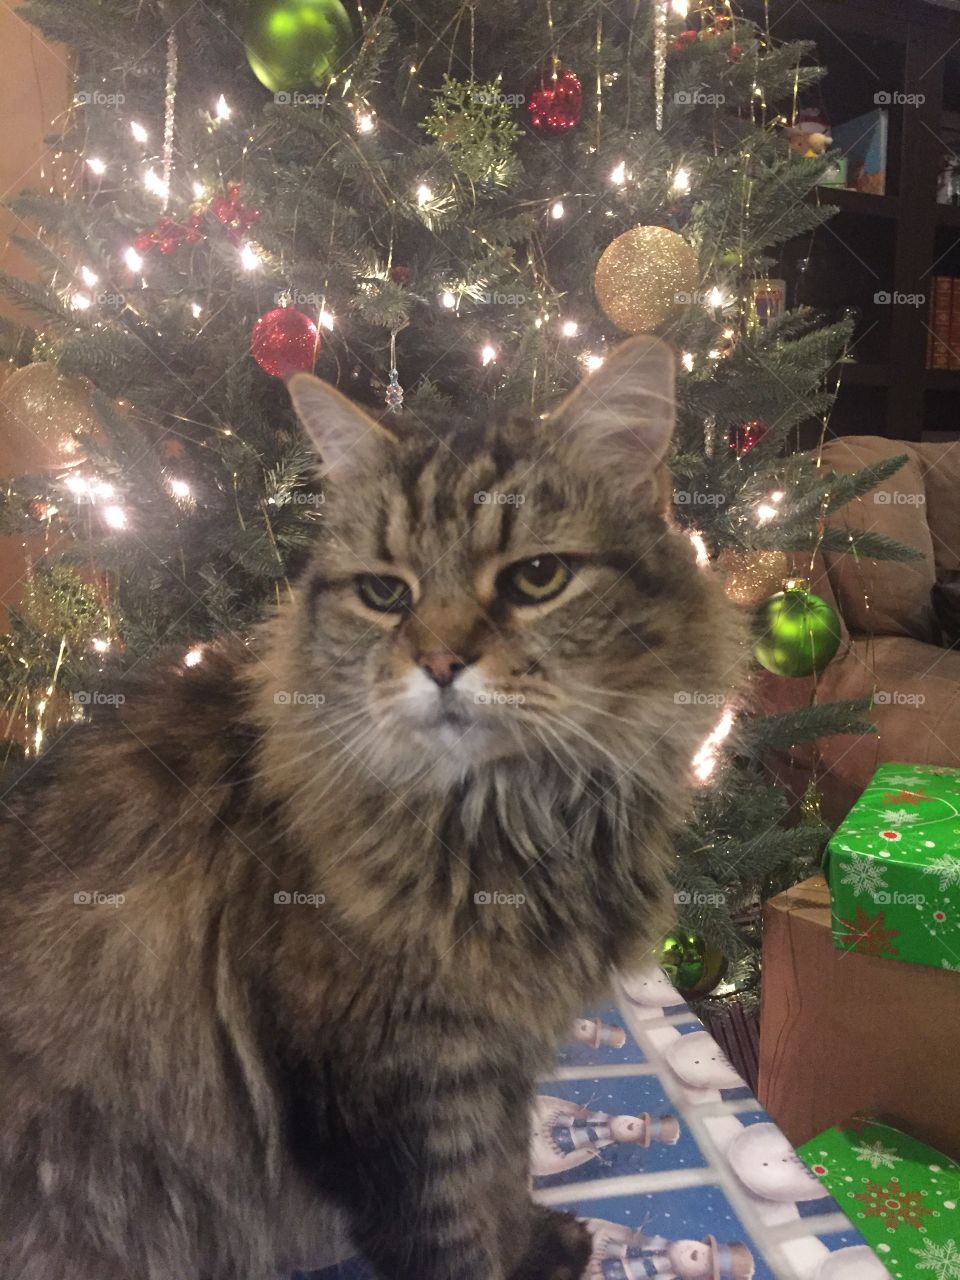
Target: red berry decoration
x=400, y=275
x=283, y=341
x=167, y=236
x=236, y=217
x=557, y=105
x=684, y=40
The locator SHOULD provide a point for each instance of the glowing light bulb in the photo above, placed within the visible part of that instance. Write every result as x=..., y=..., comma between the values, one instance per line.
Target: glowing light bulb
x=193, y=657
x=569, y=328
x=180, y=488
x=196, y=308
x=96, y=165
x=199, y=190
x=705, y=761
x=488, y=355
x=138, y=131
x=681, y=180
x=365, y=122
x=700, y=547
x=223, y=111
x=447, y=299
x=80, y=302
x=90, y=278
x=132, y=259
x=115, y=517
x=326, y=319
x=765, y=512
x=557, y=210
x=77, y=484
x=618, y=175
x=592, y=362
x=155, y=184
x=716, y=297
x=249, y=259
x=687, y=360
x=101, y=646
x=680, y=7
x=424, y=194
x=101, y=489
x=777, y=496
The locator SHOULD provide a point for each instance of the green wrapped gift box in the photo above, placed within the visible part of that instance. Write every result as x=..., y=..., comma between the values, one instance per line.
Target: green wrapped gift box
x=903, y=1196
x=894, y=868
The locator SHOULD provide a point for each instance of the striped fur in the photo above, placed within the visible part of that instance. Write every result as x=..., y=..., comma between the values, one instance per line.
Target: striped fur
x=351, y=934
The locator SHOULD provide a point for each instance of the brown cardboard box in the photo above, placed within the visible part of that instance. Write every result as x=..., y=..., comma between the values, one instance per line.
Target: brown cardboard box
x=841, y=1033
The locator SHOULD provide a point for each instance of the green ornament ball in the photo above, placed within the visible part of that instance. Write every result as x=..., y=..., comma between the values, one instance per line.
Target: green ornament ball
x=797, y=633
x=295, y=44
x=692, y=965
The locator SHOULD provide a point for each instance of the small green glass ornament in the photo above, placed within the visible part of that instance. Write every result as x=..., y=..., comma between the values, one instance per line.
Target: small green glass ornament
x=797, y=632
x=692, y=965
x=294, y=44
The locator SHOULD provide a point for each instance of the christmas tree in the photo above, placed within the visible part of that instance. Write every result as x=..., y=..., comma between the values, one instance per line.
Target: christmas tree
x=453, y=208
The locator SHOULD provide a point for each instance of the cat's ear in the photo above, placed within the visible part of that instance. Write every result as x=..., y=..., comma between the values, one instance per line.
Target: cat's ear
x=347, y=439
x=622, y=416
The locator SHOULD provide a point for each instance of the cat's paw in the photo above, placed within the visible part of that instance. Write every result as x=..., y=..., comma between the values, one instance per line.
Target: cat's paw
x=559, y=1248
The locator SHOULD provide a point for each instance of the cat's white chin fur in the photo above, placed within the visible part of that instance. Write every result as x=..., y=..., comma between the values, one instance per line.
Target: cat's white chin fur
x=456, y=719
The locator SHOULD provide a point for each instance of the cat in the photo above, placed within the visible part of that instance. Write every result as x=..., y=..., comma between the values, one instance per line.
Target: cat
x=289, y=934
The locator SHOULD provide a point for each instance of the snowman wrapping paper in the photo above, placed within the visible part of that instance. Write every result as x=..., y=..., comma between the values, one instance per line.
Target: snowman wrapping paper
x=894, y=868
x=647, y=1133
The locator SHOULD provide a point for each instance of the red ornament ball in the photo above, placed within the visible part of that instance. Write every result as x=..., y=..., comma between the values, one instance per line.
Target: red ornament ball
x=746, y=436
x=284, y=341
x=684, y=40
x=557, y=105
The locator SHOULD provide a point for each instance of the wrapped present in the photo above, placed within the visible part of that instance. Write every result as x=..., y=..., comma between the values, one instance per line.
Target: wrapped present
x=903, y=1195
x=894, y=868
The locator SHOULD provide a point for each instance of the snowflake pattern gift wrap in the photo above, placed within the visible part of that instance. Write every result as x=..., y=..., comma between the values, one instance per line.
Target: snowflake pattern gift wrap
x=645, y=1131
x=894, y=868
x=903, y=1195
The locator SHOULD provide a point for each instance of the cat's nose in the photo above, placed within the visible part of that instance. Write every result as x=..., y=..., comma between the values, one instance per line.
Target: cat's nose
x=442, y=668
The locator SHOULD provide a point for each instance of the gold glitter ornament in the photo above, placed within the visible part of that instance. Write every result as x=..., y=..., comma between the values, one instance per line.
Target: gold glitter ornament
x=752, y=576
x=643, y=277
x=41, y=413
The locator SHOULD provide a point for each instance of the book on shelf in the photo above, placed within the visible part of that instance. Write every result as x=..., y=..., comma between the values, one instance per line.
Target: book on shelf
x=943, y=331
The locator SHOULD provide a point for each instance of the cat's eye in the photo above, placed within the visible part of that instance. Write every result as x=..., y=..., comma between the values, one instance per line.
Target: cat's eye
x=384, y=593
x=534, y=581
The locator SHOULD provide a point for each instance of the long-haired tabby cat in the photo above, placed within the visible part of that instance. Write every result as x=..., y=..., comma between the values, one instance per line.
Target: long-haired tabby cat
x=287, y=940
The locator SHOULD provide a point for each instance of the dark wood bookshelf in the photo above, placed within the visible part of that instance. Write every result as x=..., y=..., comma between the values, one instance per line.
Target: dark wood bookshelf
x=890, y=244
